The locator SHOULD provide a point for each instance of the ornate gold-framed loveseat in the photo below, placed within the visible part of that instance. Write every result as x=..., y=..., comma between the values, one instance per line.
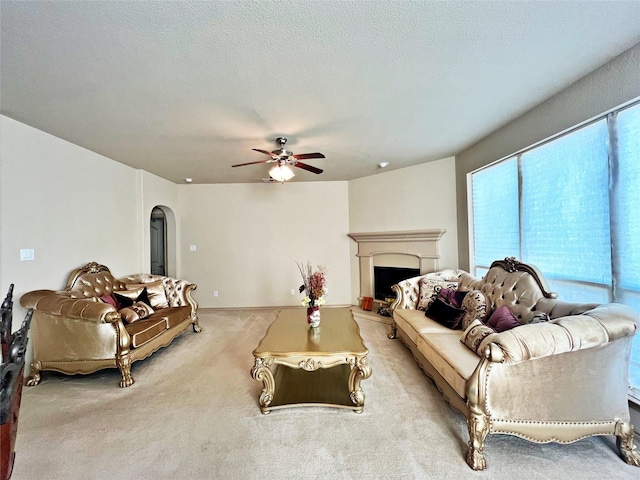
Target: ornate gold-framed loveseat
x=558, y=373
x=99, y=321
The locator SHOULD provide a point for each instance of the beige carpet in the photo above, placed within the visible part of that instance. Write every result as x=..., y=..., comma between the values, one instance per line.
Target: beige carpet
x=193, y=414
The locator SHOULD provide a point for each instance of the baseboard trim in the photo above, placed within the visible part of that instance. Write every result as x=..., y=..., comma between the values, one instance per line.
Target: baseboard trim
x=266, y=307
x=358, y=313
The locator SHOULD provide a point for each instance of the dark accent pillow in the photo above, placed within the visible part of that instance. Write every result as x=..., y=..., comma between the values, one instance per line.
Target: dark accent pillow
x=502, y=319
x=126, y=298
x=452, y=296
x=445, y=314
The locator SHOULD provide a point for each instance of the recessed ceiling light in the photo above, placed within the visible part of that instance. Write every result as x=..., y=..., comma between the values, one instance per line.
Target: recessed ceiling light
x=383, y=164
x=188, y=180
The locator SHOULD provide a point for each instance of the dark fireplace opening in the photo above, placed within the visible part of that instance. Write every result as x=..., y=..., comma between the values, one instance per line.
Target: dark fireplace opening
x=385, y=277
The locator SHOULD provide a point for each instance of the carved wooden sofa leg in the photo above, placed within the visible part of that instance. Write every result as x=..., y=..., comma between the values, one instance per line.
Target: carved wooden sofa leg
x=124, y=365
x=392, y=330
x=624, y=441
x=478, y=426
x=34, y=376
x=195, y=324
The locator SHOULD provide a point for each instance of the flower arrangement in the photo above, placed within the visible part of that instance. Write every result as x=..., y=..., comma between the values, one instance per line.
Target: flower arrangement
x=314, y=286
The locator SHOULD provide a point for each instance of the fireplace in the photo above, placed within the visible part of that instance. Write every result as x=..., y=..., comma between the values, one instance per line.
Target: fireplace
x=385, y=277
x=413, y=250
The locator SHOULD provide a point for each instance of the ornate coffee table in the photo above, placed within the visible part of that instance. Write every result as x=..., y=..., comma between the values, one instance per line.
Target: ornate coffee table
x=302, y=366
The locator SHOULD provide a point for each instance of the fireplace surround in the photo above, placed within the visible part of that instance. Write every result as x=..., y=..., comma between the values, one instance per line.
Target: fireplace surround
x=413, y=249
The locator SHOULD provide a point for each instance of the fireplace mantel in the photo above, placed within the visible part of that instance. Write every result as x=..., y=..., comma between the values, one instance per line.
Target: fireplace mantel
x=405, y=248
x=404, y=235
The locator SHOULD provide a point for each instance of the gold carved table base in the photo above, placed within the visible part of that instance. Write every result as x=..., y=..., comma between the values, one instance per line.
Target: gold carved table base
x=312, y=384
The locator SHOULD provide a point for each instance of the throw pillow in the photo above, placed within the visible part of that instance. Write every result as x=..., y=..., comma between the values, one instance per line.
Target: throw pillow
x=129, y=315
x=445, y=314
x=126, y=298
x=474, y=305
x=157, y=295
x=452, y=296
x=428, y=291
x=110, y=300
x=502, y=319
x=135, y=312
x=475, y=334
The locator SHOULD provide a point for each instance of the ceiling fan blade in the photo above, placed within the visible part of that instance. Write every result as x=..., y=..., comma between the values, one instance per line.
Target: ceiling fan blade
x=305, y=156
x=250, y=163
x=263, y=151
x=309, y=168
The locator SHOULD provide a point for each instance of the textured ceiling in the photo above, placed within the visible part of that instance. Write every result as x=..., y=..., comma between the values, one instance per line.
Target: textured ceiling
x=186, y=89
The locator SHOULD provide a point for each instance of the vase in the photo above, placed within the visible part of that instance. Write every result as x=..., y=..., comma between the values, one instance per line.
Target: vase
x=313, y=316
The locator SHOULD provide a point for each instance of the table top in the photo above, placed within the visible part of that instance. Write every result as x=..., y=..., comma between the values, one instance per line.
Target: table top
x=290, y=335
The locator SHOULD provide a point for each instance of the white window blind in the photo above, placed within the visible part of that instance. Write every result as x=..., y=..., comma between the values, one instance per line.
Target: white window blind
x=626, y=224
x=565, y=212
x=496, y=189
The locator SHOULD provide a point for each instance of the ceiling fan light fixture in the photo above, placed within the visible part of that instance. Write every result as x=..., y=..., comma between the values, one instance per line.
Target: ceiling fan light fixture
x=281, y=173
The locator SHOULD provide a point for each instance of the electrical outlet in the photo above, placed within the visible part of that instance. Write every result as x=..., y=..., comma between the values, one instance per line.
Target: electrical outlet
x=27, y=254
x=293, y=291
x=215, y=293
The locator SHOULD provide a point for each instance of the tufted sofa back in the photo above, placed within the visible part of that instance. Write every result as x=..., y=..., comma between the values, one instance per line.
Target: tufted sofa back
x=92, y=280
x=519, y=286
x=175, y=289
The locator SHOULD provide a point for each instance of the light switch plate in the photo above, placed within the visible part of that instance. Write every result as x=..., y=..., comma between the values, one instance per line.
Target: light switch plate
x=192, y=248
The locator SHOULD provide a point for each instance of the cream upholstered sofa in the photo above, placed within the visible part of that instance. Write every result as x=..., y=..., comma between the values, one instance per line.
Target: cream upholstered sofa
x=559, y=377
x=99, y=321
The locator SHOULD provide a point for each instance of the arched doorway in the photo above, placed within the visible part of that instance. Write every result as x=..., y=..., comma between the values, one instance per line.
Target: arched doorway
x=158, y=237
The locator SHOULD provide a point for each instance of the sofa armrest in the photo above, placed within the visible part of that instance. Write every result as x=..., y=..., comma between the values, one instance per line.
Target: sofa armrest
x=61, y=304
x=407, y=294
x=179, y=292
x=603, y=324
x=408, y=291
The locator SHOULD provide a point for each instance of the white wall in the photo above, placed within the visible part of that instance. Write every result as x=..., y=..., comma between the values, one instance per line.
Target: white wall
x=73, y=206
x=249, y=237
x=70, y=205
x=413, y=198
x=611, y=85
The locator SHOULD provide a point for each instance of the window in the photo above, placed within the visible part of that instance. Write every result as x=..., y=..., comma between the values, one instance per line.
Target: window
x=573, y=210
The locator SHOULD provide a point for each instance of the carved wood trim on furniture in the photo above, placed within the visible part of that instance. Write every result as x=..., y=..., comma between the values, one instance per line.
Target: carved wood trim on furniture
x=14, y=347
x=511, y=264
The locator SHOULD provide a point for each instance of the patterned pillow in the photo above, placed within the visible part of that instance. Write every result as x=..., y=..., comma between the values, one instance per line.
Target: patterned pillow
x=475, y=308
x=428, y=291
x=135, y=312
x=475, y=334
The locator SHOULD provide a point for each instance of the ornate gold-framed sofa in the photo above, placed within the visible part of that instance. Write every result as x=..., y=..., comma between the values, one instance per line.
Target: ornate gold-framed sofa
x=83, y=328
x=560, y=376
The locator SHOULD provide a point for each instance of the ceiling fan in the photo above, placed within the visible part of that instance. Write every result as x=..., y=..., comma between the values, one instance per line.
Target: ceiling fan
x=283, y=159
